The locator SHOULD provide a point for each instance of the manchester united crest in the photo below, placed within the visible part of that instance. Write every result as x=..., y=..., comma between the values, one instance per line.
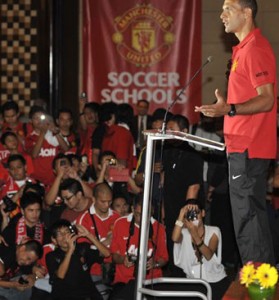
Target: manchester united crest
x=143, y=35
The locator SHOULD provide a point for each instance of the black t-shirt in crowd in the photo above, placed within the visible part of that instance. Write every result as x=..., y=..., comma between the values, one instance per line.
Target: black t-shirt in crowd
x=77, y=282
x=183, y=167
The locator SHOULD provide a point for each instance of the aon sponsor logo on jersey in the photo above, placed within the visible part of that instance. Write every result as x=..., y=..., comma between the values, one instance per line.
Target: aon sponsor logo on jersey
x=48, y=152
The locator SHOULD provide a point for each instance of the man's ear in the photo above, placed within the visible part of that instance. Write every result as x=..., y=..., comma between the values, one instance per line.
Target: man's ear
x=248, y=13
x=185, y=130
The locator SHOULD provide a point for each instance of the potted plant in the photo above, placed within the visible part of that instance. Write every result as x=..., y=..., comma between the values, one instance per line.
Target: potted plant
x=260, y=280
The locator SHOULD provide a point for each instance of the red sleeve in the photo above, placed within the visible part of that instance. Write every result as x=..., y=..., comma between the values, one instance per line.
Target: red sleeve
x=29, y=143
x=3, y=174
x=114, y=246
x=46, y=249
x=161, y=251
x=29, y=164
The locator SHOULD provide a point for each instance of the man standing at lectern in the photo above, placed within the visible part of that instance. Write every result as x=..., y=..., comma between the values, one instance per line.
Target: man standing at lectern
x=249, y=128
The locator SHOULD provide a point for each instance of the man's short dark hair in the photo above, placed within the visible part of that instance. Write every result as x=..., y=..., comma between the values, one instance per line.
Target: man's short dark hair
x=34, y=246
x=30, y=198
x=10, y=105
x=36, y=109
x=108, y=110
x=252, y=4
x=181, y=121
x=100, y=188
x=159, y=115
x=93, y=106
x=58, y=225
x=125, y=113
x=15, y=157
x=143, y=101
x=106, y=153
x=7, y=134
x=64, y=110
x=193, y=201
x=34, y=187
x=72, y=185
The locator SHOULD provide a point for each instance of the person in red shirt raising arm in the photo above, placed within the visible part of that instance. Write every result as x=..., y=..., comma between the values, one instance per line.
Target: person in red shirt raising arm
x=249, y=128
x=43, y=144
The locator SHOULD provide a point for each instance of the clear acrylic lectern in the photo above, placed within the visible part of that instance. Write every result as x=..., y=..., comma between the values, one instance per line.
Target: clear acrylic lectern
x=152, y=137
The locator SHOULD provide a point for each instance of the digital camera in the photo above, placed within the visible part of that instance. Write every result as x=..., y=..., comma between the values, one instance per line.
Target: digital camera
x=132, y=258
x=73, y=229
x=112, y=162
x=192, y=215
x=10, y=205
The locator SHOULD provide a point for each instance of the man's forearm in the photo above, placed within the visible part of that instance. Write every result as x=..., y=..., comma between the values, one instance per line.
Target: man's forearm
x=64, y=266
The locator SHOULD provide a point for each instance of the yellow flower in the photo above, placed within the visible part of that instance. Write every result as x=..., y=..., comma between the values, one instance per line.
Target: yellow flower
x=247, y=274
x=266, y=275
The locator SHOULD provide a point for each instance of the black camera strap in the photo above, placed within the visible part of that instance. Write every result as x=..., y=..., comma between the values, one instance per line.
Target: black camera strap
x=95, y=225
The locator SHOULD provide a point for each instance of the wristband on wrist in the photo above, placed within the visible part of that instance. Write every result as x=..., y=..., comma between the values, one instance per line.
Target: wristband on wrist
x=200, y=244
x=179, y=223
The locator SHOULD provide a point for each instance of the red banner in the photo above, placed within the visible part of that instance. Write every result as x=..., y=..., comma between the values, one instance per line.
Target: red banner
x=143, y=50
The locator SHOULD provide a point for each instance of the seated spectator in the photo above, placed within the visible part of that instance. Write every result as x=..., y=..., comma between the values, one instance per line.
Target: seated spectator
x=120, y=183
x=43, y=144
x=10, y=142
x=63, y=169
x=11, y=113
x=70, y=262
x=71, y=192
x=88, y=121
x=99, y=219
x=13, y=262
x=64, y=121
x=26, y=225
x=198, y=248
x=81, y=165
x=114, y=133
x=142, y=121
x=14, y=185
x=107, y=110
x=124, y=249
x=120, y=205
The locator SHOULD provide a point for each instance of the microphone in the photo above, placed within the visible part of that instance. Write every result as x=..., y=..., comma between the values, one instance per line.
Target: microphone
x=208, y=60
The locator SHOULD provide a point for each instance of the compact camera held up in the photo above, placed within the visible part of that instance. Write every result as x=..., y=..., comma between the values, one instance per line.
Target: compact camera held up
x=192, y=215
x=9, y=204
x=73, y=229
x=132, y=258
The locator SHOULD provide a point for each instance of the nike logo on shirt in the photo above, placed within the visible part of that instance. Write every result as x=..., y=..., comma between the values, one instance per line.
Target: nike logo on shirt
x=235, y=176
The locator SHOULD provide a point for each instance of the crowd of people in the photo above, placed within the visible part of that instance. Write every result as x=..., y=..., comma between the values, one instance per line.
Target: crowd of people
x=71, y=200
x=78, y=196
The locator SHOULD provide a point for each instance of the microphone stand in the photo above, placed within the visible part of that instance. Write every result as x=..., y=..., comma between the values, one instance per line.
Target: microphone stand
x=209, y=60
